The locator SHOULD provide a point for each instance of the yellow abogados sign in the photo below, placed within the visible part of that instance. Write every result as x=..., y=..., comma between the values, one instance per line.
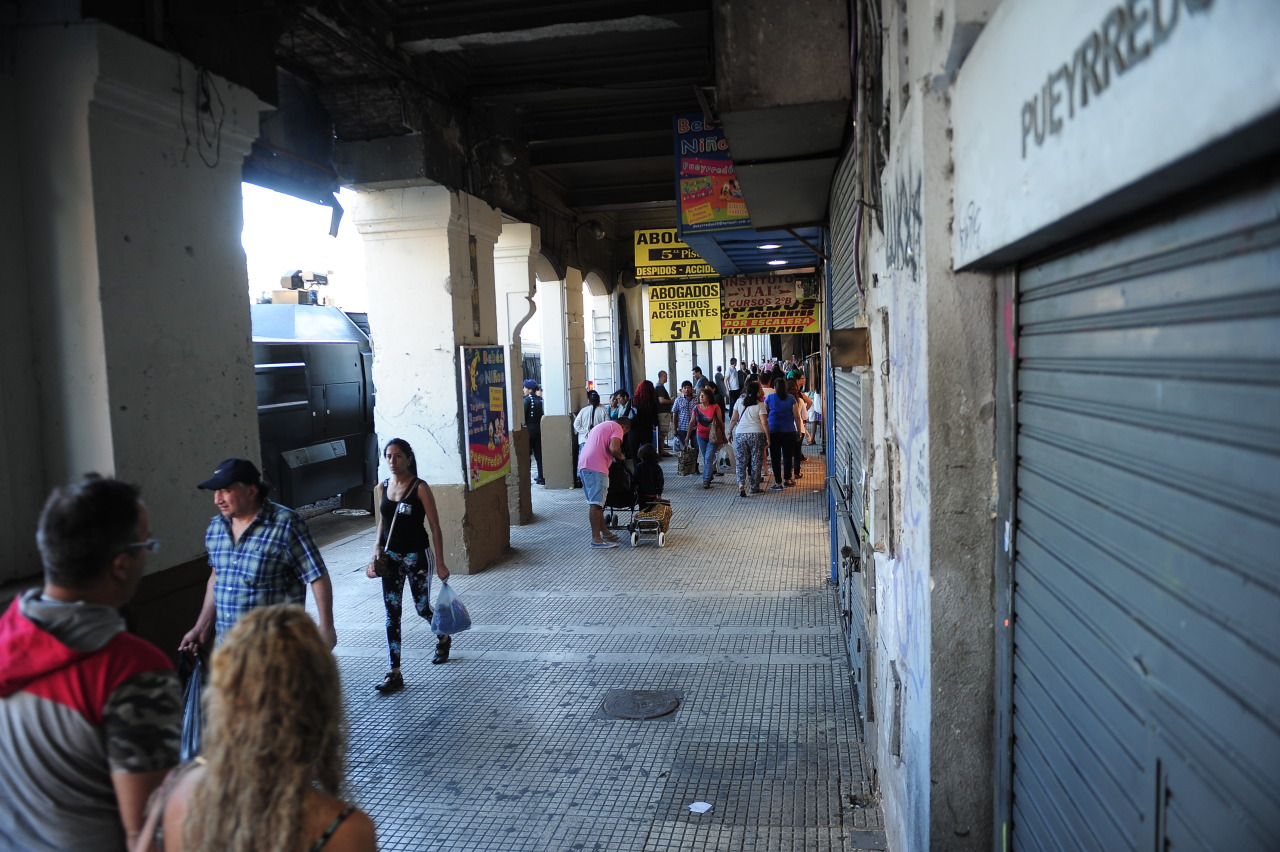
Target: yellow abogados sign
x=684, y=311
x=661, y=254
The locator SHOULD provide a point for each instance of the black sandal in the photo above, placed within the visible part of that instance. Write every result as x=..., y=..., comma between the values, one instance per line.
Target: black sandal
x=393, y=682
x=442, y=650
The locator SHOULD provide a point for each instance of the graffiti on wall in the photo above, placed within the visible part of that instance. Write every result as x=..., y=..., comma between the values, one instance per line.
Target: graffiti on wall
x=903, y=223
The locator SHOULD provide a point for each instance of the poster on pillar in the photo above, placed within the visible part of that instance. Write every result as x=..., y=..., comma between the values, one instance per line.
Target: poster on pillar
x=683, y=312
x=484, y=387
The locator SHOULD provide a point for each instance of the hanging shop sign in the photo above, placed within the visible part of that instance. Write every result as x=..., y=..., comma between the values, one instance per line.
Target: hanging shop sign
x=706, y=184
x=661, y=254
x=761, y=291
x=802, y=317
x=680, y=312
x=484, y=386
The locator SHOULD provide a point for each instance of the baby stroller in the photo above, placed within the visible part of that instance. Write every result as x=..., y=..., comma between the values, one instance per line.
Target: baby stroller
x=621, y=497
x=624, y=512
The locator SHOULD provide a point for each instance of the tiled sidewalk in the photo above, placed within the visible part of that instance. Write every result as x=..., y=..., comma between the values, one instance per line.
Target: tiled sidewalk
x=506, y=747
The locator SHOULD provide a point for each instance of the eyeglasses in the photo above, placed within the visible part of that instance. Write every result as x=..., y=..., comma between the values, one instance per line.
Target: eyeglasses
x=151, y=544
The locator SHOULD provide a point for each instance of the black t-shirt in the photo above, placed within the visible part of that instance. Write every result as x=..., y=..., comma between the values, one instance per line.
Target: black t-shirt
x=409, y=534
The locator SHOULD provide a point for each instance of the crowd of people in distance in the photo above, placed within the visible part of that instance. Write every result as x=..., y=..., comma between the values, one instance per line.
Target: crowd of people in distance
x=755, y=418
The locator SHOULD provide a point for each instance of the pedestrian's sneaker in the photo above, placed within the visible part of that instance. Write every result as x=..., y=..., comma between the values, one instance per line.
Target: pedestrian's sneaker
x=604, y=544
x=775, y=487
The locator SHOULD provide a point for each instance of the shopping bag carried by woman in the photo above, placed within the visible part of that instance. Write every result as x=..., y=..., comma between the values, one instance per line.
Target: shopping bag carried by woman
x=687, y=463
x=450, y=615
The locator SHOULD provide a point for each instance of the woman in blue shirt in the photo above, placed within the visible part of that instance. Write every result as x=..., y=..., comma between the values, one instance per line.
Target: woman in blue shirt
x=784, y=428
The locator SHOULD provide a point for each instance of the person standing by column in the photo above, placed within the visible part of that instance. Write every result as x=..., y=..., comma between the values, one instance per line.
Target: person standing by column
x=533, y=409
x=261, y=553
x=664, y=412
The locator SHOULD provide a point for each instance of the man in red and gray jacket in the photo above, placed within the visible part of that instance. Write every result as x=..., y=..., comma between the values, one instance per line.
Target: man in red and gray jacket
x=90, y=715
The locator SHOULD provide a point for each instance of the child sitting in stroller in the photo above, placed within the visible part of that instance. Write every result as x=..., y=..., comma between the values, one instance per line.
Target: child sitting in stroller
x=648, y=478
x=653, y=512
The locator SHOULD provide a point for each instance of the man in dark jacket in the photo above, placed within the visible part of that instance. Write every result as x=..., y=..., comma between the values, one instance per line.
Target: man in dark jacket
x=533, y=408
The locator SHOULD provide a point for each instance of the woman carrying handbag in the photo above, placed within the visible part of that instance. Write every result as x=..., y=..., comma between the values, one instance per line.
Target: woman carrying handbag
x=707, y=424
x=406, y=509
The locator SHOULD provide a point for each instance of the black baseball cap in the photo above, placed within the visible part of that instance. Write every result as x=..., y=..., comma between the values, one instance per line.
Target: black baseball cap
x=232, y=470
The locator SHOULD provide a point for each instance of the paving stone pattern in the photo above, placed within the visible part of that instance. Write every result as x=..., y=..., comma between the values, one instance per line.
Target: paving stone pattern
x=506, y=747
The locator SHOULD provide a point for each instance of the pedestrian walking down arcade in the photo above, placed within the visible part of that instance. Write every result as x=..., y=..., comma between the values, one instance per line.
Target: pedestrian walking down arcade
x=406, y=511
x=749, y=429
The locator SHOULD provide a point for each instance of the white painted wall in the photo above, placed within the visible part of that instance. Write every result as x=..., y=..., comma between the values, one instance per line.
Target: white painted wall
x=420, y=313
x=554, y=330
x=903, y=437
x=515, y=285
x=123, y=222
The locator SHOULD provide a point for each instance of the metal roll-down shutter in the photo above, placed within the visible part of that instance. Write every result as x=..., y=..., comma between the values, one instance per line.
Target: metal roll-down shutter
x=1146, y=601
x=843, y=406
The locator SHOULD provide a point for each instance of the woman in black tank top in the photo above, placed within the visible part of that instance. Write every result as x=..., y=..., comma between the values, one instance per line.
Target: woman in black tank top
x=406, y=508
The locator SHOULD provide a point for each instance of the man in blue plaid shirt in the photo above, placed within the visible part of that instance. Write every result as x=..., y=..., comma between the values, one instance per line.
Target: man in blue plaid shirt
x=682, y=412
x=261, y=553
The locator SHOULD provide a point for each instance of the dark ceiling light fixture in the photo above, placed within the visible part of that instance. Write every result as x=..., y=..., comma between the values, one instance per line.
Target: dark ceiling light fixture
x=594, y=228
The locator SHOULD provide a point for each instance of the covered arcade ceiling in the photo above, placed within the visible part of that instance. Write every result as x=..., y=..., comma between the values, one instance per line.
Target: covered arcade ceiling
x=557, y=112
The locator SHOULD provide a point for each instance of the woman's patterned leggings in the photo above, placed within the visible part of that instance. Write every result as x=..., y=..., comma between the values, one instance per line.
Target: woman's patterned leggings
x=749, y=449
x=418, y=569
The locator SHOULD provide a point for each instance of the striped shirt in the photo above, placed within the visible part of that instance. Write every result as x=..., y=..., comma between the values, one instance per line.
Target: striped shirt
x=273, y=563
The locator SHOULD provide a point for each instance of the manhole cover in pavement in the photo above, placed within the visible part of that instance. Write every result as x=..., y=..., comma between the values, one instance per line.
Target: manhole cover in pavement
x=640, y=703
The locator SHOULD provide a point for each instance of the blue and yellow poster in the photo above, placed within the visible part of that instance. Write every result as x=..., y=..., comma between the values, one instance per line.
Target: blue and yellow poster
x=484, y=387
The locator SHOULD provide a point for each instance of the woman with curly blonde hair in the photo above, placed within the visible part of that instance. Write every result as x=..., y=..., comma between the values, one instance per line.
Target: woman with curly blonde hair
x=271, y=775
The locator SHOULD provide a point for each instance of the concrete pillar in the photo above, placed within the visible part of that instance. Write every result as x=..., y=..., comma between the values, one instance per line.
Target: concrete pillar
x=563, y=371
x=513, y=259
x=123, y=214
x=429, y=263
x=576, y=333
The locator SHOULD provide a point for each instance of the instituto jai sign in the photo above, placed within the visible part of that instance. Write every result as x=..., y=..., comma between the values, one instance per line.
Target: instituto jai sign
x=661, y=254
x=761, y=291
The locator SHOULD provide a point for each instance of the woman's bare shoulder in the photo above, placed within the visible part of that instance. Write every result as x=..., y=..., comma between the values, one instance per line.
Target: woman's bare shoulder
x=355, y=834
